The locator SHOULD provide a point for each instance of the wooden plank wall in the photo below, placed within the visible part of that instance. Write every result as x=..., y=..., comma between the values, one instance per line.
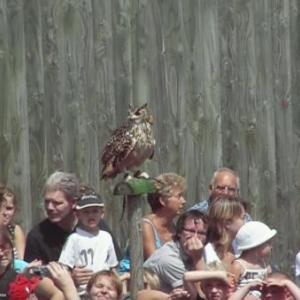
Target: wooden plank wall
x=220, y=77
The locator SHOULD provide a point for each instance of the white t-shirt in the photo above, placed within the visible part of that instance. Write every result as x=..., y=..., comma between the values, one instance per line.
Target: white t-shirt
x=95, y=252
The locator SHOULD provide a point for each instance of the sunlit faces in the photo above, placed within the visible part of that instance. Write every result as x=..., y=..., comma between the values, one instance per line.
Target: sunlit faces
x=225, y=184
x=175, y=203
x=103, y=289
x=57, y=206
x=90, y=217
x=215, y=289
x=193, y=228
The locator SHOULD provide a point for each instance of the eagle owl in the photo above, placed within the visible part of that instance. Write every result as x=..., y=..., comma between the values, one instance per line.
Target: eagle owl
x=130, y=145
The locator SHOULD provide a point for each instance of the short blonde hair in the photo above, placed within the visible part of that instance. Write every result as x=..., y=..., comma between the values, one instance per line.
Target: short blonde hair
x=165, y=184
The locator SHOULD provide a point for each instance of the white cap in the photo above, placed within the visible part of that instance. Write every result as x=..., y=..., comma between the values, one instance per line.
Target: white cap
x=253, y=234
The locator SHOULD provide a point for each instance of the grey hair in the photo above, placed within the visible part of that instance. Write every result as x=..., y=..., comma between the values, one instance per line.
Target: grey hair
x=63, y=182
x=213, y=179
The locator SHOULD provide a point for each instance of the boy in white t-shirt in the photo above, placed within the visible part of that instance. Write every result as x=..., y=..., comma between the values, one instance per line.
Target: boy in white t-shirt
x=89, y=246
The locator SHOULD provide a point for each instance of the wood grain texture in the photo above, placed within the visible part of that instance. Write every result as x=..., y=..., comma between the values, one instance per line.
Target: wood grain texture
x=220, y=77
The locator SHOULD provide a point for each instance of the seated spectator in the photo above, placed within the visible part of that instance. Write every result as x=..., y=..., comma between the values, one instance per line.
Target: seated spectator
x=105, y=285
x=89, y=246
x=18, y=286
x=158, y=226
x=216, y=285
x=254, y=241
x=15, y=230
x=226, y=216
x=45, y=241
x=277, y=286
x=183, y=253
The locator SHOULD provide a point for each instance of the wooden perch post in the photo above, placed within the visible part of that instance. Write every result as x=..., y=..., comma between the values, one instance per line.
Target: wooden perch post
x=134, y=190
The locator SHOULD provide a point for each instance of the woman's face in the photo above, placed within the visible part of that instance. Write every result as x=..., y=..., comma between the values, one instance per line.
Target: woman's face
x=9, y=209
x=103, y=289
x=175, y=203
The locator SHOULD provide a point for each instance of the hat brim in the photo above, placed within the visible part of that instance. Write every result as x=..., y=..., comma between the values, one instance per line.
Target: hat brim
x=258, y=242
x=88, y=205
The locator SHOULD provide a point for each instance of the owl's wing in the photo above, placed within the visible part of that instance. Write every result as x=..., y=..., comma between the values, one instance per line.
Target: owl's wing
x=117, y=148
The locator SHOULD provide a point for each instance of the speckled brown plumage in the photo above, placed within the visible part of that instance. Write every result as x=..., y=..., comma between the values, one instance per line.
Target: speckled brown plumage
x=130, y=145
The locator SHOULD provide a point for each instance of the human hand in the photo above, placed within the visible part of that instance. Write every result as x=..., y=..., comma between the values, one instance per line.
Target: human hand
x=60, y=275
x=81, y=275
x=193, y=247
x=179, y=293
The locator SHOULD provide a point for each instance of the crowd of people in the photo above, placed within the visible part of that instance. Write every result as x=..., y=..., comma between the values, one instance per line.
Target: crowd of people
x=212, y=250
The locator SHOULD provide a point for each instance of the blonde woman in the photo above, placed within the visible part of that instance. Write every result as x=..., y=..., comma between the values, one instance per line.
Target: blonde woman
x=226, y=216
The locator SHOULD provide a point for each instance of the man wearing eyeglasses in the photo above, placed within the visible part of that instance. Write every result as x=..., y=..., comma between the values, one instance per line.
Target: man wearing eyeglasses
x=224, y=182
x=184, y=253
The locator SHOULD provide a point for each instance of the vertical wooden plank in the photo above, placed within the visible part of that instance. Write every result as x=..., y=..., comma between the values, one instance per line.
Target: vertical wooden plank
x=203, y=95
x=35, y=94
x=19, y=169
x=286, y=195
x=53, y=157
x=5, y=86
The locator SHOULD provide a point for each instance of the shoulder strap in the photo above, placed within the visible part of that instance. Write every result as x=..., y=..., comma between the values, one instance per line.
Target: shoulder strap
x=241, y=263
x=157, y=239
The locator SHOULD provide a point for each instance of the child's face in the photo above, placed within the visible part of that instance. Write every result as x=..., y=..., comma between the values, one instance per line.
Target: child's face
x=215, y=289
x=265, y=249
x=103, y=289
x=90, y=216
x=274, y=292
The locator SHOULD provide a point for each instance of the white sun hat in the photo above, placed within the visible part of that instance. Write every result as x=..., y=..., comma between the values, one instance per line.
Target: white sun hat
x=253, y=234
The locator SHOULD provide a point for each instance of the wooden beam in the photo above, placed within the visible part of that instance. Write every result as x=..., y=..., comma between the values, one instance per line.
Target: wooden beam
x=134, y=190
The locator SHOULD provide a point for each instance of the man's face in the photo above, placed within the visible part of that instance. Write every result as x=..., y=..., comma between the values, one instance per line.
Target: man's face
x=57, y=206
x=215, y=289
x=225, y=184
x=193, y=228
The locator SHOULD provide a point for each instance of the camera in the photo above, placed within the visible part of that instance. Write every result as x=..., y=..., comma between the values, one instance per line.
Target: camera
x=40, y=271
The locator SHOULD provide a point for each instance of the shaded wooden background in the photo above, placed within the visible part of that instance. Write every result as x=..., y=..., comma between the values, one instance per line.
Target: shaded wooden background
x=220, y=77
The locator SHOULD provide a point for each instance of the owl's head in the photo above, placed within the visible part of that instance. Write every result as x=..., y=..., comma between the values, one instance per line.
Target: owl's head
x=140, y=114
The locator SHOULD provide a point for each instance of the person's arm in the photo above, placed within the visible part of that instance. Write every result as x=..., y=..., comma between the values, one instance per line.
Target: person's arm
x=242, y=292
x=63, y=280
x=194, y=248
x=20, y=241
x=288, y=284
x=46, y=289
x=148, y=238
x=237, y=270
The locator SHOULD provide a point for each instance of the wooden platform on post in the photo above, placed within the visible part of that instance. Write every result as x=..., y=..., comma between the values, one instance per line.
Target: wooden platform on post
x=133, y=190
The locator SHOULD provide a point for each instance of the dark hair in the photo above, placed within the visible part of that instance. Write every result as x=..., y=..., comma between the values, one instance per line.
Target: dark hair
x=190, y=214
x=5, y=239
